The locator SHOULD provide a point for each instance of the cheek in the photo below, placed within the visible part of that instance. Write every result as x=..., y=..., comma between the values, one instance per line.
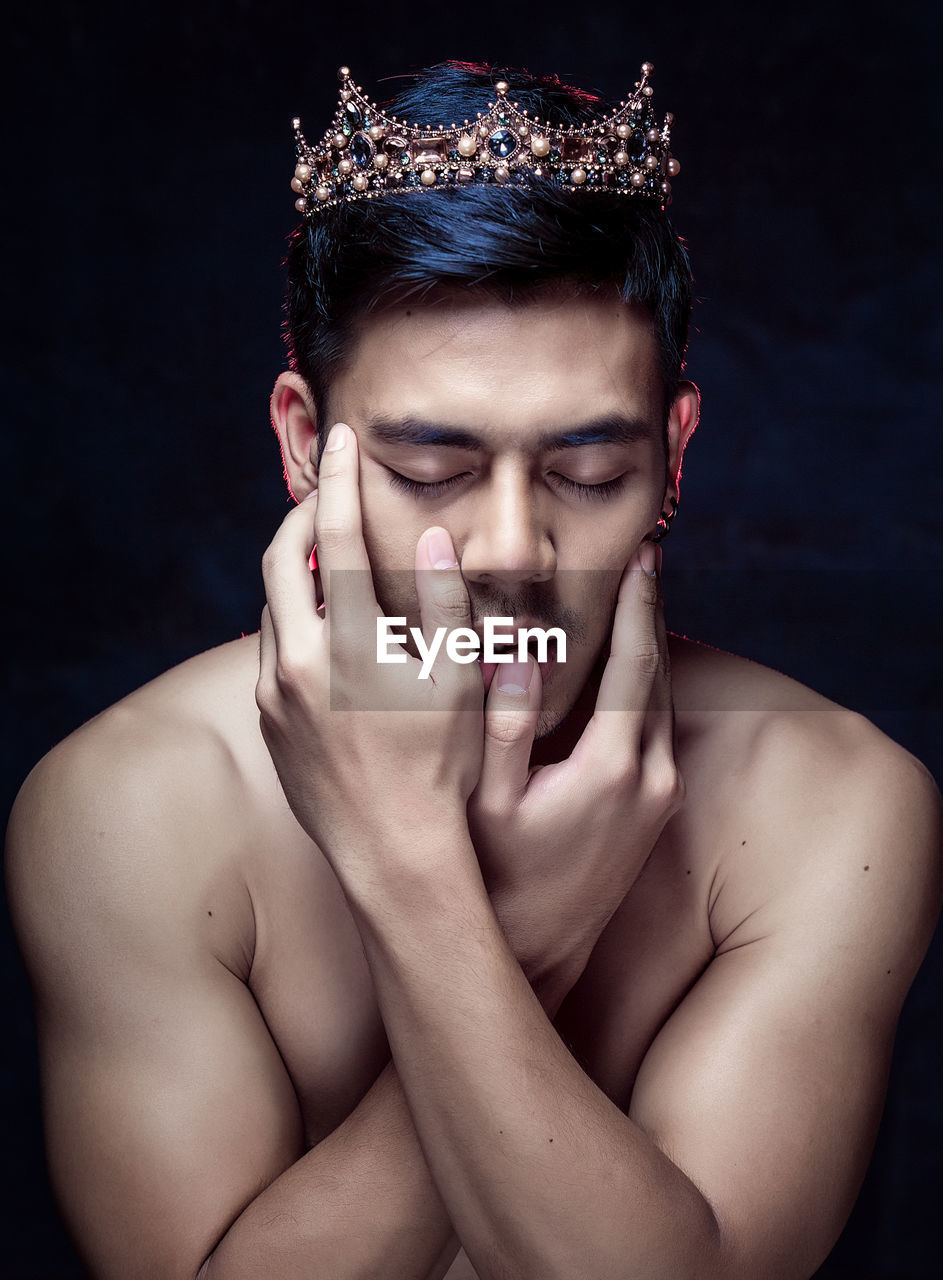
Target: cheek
x=390, y=534
x=387, y=529
x=604, y=543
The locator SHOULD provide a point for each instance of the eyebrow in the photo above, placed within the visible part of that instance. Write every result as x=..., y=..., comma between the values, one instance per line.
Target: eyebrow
x=609, y=429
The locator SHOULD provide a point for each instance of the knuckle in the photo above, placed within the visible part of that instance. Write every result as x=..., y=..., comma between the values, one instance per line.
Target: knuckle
x=333, y=533
x=648, y=656
x=265, y=694
x=647, y=589
x=504, y=729
x=666, y=784
x=291, y=672
x=451, y=602
x=624, y=769
x=485, y=811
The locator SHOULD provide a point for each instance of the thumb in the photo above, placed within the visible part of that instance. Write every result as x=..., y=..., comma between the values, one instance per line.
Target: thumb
x=511, y=712
x=443, y=597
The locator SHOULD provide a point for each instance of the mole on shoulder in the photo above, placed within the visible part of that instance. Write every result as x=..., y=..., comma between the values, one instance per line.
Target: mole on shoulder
x=742, y=843
x=868, y=867
x=209, y=913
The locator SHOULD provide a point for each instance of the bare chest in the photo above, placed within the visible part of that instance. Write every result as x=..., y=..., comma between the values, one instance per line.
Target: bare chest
x=313, y=987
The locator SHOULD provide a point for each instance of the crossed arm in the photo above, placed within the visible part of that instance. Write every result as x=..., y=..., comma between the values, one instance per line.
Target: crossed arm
x=174, y=1133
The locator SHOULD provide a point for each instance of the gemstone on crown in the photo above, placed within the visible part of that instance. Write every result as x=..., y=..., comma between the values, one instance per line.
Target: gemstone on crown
x=503, y=143
x=368, y=153
x=362, y=150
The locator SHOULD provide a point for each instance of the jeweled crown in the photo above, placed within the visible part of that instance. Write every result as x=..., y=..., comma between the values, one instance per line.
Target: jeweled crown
x=367, y=153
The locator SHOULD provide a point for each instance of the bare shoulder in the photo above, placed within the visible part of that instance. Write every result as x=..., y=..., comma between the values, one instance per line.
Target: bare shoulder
x=166, y=1102
x=135, y=819
x=818, y=844
x=824, y=818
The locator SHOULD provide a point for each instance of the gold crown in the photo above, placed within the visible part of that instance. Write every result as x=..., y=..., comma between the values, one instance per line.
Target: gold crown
x=367, y=153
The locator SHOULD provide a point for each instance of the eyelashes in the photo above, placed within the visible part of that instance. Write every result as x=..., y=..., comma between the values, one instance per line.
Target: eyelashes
x=436, y=488
x=423, y=488
x=608, y=489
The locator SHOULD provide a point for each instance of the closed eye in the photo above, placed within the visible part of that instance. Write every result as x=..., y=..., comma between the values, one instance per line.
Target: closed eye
x=424, y=488
x=608, y=488
x=435, y=488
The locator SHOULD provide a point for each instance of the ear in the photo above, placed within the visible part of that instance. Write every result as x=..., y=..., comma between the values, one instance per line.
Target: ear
x=295, y=422
x=682, y=420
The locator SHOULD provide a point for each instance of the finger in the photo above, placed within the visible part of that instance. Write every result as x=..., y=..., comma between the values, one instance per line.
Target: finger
x=267, y=648
x=290, y=587
x=511, y=712
x=443, y=596
x=636, y=656
x=339, y=526
x=658, y=732
x=267, y=683
x=661, y=699
x=313, y=566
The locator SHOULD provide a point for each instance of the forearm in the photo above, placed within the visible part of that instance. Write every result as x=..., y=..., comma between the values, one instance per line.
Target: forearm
x=363, y=1202
x=360, y=1204
x=540, y=1172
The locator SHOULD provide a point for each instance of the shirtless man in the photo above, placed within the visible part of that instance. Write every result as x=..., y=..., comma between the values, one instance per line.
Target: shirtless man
x=585, y=969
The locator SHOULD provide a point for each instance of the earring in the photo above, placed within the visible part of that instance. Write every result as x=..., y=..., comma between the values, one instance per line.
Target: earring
x=663, y=526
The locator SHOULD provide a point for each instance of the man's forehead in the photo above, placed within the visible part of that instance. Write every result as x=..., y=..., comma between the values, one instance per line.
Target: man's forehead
x=543, y=364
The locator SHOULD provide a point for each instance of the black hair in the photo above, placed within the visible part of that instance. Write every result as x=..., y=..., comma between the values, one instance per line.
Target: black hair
x=511, y=242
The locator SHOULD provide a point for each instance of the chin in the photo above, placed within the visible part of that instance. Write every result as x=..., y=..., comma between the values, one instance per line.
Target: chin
x=551, y=717
x=571, y=695
x=548, y=723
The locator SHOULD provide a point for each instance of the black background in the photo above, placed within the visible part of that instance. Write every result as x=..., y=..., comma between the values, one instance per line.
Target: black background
x=146, y=163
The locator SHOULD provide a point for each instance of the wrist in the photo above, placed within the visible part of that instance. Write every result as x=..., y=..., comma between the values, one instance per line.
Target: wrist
x=409, y=868
x=551, y=952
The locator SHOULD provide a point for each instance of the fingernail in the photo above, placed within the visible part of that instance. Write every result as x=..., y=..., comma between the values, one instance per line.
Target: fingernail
x=515, y=678
x=338, y=437
x=439, y=549
x=648, y=558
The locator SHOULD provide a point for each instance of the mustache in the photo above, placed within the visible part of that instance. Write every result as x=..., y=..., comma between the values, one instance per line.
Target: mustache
x=535, y=601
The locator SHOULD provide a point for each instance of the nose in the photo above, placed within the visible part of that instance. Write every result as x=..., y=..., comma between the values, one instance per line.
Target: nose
x=509, y=542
